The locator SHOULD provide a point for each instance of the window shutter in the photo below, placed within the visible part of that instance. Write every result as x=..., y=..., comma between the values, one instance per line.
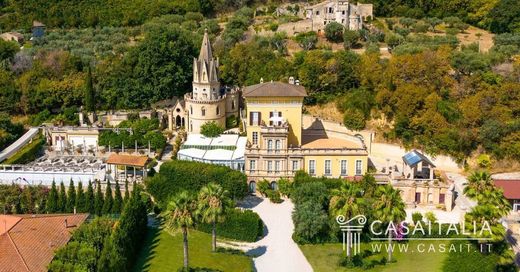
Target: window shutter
x=259, y=118
x=270, y=114
x=251, y=119
x=279, y=114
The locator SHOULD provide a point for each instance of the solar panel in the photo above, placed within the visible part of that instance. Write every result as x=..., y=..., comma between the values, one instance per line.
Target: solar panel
x=412, y=158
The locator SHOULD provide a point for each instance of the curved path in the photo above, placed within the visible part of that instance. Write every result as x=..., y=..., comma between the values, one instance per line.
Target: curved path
x=276, y=251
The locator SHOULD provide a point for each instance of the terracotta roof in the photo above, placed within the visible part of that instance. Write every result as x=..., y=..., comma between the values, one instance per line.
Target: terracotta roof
x=128, y=160
x=275, y=89
x=511, y=187
x=29, y=244
x=322, y=141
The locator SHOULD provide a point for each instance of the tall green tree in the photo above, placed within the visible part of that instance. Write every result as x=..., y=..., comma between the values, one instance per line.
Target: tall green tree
x=389, y=207
x=127, y=193
x=118, y=200
x=81, y=201
x=347, y=201
x=52, y=201
x=180, y=213
x=62, y=199
x=109, y=199
x=89, y=199
x=213, y=204
x=98, y=201
x=71, y=197
x=89, y=96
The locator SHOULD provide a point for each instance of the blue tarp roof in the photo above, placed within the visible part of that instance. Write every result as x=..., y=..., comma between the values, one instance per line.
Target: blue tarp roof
x=413, y=157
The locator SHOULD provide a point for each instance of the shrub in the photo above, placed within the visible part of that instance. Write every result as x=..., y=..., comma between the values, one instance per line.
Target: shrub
x=263, y=187
x=315, y=192
x=238, y=225
x=484, y=161
x=416, y=217
x=350, y=38
x=211, y=129
x=285, y=187
x=354, y=119
x=175, y=176
x=274, y=196
x=430, y=217
x=231, y=121
x=334, y=32
x=310, y=223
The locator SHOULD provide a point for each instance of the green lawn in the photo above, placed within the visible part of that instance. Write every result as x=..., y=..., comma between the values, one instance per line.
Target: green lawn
x=325, y=257
x=163, y=252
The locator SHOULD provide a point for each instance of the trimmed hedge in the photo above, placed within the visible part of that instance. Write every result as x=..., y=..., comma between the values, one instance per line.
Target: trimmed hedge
x=239, y=225
x=175, y=176
x=28, y=153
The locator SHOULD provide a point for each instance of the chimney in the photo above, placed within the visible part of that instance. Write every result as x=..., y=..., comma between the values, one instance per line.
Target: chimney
x=74, y=210
x=261, y=80
x=291, y=80
x=297, y=82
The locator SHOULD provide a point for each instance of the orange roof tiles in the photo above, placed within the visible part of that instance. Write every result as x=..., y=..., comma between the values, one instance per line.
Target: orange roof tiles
x=128, y=160
x=29, y=244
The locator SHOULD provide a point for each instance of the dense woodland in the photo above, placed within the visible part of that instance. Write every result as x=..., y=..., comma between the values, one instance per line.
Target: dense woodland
x=431, y=93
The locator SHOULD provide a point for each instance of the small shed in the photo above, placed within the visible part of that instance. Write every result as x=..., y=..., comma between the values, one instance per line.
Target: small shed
x=38, y=29
x=417, y=166
x=511, y=188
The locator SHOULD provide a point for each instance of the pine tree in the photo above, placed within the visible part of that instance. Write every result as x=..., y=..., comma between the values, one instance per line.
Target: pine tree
x=52, y=201
x=80, y=199
x=71, y=198
x=127, y=193
x=98, y=202
x=62, y=199
x=109, y=199
x=89, y=199
x=118, y=200
x=90, y=102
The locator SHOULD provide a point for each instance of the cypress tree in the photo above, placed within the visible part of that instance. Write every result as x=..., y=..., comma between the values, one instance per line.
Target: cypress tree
x=127, y=193
x=98, y=202
x=89, y=199
x=52, y=201
x=109, y=200
x=80, y=199
x=71, y=197
x=118, y=200
x=90, y=103
x=62, y=199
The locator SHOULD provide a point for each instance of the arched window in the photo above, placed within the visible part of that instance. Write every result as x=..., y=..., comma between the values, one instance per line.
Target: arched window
x=203, y=111
x=269, y=145
x=218, y=110
x=233, y=104
x=191, y=110
x=278, y=145
x=191, y=126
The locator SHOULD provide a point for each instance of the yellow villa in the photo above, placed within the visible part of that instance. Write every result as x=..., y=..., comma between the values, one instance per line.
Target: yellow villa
x=278, y=145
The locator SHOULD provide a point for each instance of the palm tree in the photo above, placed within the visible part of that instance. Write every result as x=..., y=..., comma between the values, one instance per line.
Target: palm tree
x=181, y=213
x=347, y=201
x=478, y=182
x=389, y=207
x=213, y=204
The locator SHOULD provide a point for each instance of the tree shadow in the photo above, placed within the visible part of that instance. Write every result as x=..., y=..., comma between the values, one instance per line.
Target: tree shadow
x=147, y=252
x=256, y=252
x=250, y=202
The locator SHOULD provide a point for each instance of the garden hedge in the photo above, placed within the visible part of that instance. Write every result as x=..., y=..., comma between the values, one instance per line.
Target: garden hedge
x=175, y=176
x=239, y=225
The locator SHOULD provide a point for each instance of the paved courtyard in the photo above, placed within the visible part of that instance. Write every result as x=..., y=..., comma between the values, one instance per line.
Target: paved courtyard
x=276, y=251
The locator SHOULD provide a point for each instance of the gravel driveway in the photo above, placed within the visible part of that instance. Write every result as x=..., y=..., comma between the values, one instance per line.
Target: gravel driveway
x=276, y=251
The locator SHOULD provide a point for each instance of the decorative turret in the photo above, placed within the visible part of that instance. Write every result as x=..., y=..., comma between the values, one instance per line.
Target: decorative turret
x=206, y=85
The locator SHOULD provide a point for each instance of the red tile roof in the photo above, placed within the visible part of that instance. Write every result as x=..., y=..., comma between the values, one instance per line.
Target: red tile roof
x=29, y=243
x=511, y=187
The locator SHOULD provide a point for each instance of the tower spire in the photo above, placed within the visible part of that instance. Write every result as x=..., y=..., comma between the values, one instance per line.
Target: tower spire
x=205, y=49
